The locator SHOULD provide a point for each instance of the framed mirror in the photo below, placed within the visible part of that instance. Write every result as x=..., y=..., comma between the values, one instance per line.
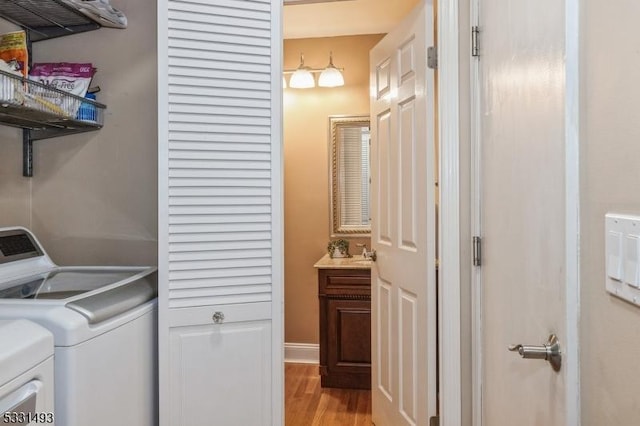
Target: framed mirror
x=349, y=173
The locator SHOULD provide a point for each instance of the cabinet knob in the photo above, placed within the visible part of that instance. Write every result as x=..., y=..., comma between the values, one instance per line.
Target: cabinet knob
x=218, y=317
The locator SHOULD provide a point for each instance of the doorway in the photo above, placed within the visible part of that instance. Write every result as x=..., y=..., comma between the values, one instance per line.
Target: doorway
x=306, y=167
x=307, y=209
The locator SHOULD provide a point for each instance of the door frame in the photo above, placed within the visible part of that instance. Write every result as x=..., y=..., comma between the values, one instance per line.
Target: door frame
x=277, y=217
x=449, y=222
x=571, y=346
x=449, y=303
x=572, y=210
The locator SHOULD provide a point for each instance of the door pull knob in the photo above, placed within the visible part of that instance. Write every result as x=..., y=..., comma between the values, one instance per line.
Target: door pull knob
x=218, y=317
x=550, y=351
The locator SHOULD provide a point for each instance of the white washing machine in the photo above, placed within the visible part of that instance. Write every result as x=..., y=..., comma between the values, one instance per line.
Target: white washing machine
x=104, y=325
x=26, y=374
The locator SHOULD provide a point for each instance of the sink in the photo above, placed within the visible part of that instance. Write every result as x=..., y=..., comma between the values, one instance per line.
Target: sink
x=358, y=260
x=354, y=262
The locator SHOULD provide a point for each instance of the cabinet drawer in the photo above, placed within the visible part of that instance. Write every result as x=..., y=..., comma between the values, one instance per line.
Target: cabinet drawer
x=344, y=281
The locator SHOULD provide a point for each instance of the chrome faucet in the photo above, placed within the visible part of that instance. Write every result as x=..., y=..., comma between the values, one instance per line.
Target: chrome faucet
x=367, y=254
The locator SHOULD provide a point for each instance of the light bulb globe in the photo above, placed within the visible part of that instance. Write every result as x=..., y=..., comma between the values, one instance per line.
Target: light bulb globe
x=331, y=77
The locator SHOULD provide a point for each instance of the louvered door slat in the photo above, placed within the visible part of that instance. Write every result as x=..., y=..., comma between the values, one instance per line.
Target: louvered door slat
x=219, y=22
x=236, y=4
x=206, y=105
x=192, y=26
x=206, y=238
x=178, y=33
x=223, y=282
x=220, y=146
x=195, y=247
x=217, y=272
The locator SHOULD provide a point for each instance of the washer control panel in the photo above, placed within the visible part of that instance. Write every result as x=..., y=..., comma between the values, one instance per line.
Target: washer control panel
x=17, y=244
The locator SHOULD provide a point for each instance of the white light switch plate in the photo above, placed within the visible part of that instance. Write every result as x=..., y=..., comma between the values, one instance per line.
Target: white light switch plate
x=622, y=256
x=631, y=260
x=614, y=254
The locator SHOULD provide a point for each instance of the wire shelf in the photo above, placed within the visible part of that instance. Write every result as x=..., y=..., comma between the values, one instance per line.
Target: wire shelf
x=36, y=106
x=46, y=18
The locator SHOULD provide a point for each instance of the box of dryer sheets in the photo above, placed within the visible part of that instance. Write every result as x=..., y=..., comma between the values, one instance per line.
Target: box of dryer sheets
x=64, y=76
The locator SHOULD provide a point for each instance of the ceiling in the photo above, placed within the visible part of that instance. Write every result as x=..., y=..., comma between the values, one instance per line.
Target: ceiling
x=330, y=18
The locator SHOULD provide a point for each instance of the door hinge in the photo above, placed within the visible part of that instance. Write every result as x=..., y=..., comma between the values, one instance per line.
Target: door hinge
x=432, y=57
x=475, y=44
x=434, y=421
x=477, y=251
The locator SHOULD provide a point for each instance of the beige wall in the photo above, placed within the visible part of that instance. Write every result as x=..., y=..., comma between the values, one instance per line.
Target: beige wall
x=306, y=159
x=15, y=190
x=92, y=199
x=610, y=140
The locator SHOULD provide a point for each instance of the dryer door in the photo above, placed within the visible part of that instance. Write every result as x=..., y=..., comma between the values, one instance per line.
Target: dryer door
x=19, y=407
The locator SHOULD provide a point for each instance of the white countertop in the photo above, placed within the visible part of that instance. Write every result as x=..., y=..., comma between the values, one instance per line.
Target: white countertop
x=353, y=262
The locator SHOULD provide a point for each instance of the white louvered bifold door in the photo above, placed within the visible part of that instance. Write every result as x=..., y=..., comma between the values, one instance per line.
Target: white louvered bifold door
x=220, y=212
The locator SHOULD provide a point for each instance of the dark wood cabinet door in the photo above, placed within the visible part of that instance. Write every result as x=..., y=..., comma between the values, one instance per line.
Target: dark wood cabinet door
x=349, y=343
x=345, y=328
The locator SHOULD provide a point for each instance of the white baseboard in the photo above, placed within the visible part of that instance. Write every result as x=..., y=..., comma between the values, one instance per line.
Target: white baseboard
x=302, y=353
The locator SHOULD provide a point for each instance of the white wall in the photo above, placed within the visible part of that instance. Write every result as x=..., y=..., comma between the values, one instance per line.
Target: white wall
x=15, y=191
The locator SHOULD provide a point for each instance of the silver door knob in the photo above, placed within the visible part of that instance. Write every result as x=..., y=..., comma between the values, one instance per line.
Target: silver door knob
x=550, y=351
x=218, y=317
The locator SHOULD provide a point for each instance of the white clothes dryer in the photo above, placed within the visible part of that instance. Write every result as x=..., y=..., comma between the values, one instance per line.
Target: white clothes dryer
x=26, y=374
x=104, y=325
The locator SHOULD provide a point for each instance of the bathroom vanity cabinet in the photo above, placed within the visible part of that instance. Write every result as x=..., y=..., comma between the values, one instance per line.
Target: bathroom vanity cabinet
x=344, y=290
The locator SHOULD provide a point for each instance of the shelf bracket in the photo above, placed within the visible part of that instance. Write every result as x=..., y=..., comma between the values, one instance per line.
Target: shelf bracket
x=27, y=140
x=27, y=153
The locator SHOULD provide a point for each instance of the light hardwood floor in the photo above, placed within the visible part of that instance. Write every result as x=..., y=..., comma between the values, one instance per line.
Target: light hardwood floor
x=307, y=404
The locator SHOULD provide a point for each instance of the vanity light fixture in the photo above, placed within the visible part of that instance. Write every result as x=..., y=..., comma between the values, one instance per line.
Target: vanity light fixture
x=303, y=76
x=331, y=76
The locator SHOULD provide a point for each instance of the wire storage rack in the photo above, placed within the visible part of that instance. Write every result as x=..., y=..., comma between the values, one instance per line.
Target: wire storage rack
x=46, y=19
x=42, y=111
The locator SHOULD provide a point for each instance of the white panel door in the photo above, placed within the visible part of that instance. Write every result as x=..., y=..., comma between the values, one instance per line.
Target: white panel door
x=524, y=268
x=403, y=224
x=220, y=212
